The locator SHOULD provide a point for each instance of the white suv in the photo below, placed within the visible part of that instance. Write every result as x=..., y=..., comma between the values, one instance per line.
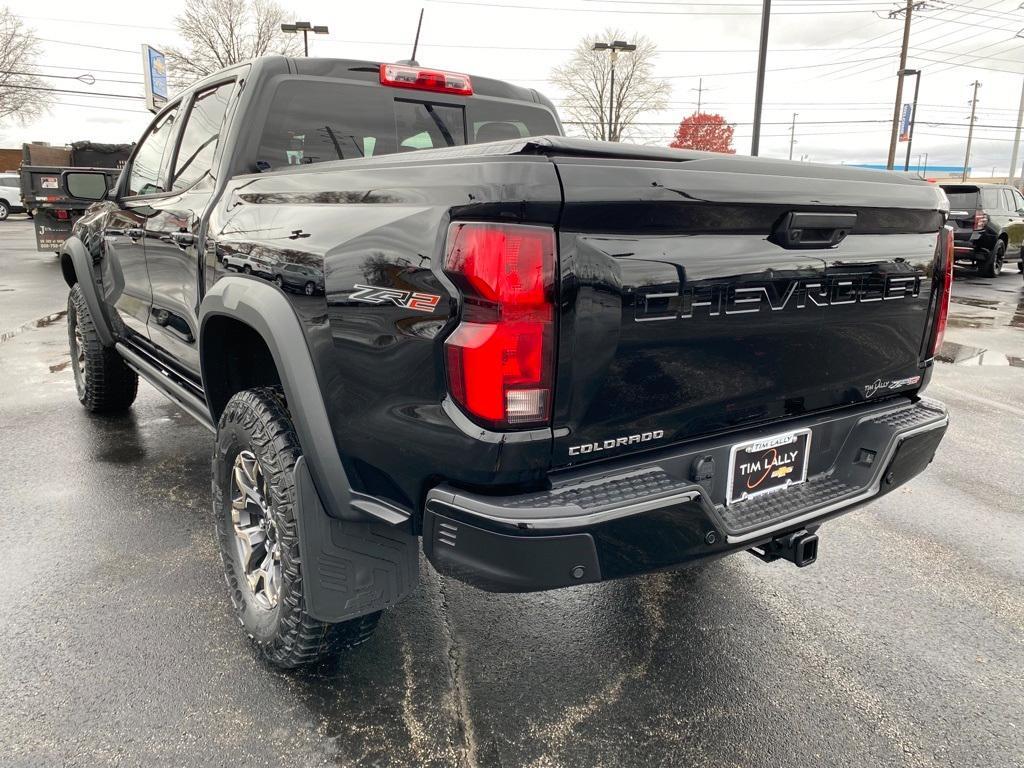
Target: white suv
x=10, y=195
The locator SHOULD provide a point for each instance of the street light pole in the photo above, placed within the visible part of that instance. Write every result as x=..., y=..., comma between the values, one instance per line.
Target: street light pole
x=305, y=28
x=613, y=48
x=762, y=60
x=913, y=112
x=611, y=95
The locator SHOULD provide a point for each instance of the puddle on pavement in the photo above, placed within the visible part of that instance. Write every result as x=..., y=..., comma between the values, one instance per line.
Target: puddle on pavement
x=983, y=303
x=986, y=321
x=962, y=321
x=42, y=322
x=961, y=354
x=51, y=319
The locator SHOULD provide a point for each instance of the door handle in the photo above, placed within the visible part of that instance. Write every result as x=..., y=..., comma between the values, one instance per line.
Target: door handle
x=135, y=234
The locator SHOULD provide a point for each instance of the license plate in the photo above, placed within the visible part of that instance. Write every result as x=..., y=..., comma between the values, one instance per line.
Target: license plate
x=768, y=464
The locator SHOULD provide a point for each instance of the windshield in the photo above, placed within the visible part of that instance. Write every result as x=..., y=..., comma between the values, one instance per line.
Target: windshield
x=311, y=121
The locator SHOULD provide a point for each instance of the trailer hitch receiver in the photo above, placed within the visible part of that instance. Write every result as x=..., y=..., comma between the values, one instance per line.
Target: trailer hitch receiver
x=799, y=548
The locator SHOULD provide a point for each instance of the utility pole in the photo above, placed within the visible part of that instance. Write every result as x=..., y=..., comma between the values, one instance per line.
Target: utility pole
x=899, y=82
x=700, y=90
x=970, y=129
x=792, y=135
x=1016, y=139
x=762, y=60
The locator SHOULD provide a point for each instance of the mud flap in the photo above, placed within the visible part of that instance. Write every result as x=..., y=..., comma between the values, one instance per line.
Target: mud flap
x=349, y=569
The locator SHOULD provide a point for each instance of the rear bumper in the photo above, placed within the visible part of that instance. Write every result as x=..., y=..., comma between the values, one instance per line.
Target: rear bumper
x=594, y=525
x=972, y=245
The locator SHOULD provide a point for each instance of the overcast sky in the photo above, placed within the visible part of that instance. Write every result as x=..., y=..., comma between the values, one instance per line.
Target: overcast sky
x=833, y=62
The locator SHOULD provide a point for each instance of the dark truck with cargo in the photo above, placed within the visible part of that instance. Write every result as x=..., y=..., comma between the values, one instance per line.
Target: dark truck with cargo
x=46, y=198
x=546, y=361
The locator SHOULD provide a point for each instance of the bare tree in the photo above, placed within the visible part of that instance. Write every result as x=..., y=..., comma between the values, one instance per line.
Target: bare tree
x=586, y=79
x=18, y=50
x=219, y=33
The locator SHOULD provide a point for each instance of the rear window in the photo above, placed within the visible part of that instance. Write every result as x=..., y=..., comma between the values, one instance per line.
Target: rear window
x=311, y=121
x=8, y=181
x=961, y=199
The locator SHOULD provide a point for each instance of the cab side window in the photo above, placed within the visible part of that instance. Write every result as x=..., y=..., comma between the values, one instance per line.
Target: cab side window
x=200, y=135
x=145, y=174
x=1018, y=201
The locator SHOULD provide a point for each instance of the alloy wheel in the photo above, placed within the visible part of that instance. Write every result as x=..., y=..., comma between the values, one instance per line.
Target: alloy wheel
x=257, y=537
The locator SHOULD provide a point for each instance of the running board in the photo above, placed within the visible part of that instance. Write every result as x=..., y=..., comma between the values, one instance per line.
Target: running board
x=165, y=383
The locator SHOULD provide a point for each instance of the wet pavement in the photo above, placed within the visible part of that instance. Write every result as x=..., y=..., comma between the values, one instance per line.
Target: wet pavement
x=901, y=646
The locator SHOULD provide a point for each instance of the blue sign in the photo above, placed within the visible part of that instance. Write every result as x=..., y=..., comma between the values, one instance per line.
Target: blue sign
x=905, y=124
x=155, y=69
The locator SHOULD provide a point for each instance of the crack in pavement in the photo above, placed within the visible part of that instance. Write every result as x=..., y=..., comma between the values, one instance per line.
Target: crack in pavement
x=655, y=590
x=459, y=702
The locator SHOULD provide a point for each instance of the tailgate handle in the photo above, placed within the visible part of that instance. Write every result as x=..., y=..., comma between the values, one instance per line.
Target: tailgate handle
x=812, y=230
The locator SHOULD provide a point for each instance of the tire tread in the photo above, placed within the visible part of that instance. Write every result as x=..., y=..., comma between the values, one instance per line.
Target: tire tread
x=299, y=639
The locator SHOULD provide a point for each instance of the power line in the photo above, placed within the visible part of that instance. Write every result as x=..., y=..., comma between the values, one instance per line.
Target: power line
x=78, y=93
x=71, y=77
x=87, y=45
x=642, y=13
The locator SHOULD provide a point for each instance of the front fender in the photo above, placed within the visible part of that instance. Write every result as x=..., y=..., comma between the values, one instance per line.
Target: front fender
x=74, y=251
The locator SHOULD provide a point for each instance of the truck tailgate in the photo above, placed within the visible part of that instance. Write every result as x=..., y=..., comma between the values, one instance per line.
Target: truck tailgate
x=683, y=315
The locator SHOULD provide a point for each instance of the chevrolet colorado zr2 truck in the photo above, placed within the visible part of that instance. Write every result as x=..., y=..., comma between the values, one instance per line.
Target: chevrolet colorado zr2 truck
x=546, y=361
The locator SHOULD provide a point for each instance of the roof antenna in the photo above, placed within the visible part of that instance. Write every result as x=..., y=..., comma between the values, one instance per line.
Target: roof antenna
x=416, y=42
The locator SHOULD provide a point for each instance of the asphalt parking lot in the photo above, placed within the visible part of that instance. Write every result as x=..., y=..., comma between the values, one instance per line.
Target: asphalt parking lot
x=902, y=646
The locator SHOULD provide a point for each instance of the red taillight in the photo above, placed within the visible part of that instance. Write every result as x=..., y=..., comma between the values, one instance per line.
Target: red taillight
x=62, y=215
x=942, y=311
x=980, y=220
x=500, y=359
x=402, y=76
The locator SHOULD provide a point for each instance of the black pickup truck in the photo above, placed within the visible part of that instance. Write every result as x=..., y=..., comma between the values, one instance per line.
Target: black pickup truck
x=552, y=361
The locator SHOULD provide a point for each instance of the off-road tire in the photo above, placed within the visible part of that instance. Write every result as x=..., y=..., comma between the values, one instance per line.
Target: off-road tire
x=105, y=384
x=285, y=635
x=993, y=265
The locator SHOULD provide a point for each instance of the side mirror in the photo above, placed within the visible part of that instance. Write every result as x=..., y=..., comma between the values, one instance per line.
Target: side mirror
x=86, y=185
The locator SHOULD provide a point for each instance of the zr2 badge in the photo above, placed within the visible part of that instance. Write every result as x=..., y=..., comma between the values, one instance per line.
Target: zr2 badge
x=421, y=302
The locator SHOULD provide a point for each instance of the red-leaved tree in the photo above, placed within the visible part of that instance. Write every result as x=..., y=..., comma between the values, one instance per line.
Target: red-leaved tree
x=704, y=131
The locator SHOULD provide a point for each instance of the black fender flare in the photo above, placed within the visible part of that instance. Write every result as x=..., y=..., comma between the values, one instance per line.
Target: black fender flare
x=92, y=288
x=266, y=310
